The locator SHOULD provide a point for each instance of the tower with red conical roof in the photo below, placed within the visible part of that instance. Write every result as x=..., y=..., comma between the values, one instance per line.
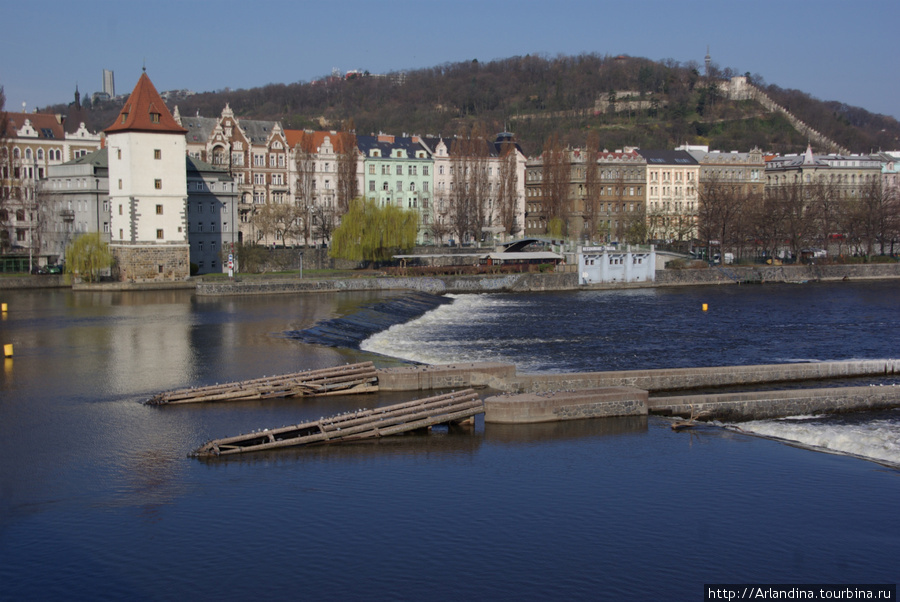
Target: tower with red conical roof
x=148, y=189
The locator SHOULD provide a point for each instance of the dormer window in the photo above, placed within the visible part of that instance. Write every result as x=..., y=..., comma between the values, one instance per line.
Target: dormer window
x=124, y=117
x=154, y=117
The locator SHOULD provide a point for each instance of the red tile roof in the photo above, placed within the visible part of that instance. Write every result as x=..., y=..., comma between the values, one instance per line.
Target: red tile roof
x=295, y=137
x=145, y=111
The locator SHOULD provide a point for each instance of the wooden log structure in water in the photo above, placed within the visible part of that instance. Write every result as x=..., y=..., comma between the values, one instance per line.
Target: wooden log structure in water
x=353, y=426
x=341, y=380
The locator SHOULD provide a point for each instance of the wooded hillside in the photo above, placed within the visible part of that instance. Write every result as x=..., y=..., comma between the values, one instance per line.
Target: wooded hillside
x=534, y=96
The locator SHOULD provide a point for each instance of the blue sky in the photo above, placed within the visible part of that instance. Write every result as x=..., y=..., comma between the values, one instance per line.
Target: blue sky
x=832, y=50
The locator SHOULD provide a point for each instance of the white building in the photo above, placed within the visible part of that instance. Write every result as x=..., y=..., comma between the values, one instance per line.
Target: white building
x=148, y=189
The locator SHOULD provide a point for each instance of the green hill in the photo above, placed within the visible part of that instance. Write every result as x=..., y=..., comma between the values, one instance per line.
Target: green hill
x=533, y=96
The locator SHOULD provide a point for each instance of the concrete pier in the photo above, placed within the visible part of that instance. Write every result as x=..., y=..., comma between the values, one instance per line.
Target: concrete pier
x=445, y=376
x=677, y=379
x=762, y=405
x=565, y=405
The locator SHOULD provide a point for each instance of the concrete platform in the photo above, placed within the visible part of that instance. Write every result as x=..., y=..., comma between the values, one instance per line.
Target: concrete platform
x=555, y=406
x=445, y=376
x=763, y=405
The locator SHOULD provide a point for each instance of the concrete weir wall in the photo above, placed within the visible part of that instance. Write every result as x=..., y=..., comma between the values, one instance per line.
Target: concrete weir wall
x=539, y=398
x=695, y=378
x=762, y=405
x=445, y=376
x=565, y=405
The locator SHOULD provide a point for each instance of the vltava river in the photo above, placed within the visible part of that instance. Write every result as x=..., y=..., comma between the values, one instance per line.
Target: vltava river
x=98, y=498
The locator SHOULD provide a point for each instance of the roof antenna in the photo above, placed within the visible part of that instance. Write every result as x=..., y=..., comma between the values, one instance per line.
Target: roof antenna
x=145, y=65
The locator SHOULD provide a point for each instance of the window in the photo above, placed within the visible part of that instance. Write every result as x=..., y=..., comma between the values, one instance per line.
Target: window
x=412, y=186
x=120, y=183
x=154, y=117
x=159, y=233
x=157, y=153
x=120, y=209
x=119, y=153
x=399, y=186
x=399, y=170
x=371, y=170
x=159, y=210
x=371, y=185
x=425, y=186
x=157, y=183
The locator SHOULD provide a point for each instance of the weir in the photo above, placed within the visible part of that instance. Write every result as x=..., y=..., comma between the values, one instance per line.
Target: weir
x=351, y=330
x=540, y=398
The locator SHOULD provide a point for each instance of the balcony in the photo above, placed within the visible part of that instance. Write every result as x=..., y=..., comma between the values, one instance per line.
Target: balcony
x=67, y=215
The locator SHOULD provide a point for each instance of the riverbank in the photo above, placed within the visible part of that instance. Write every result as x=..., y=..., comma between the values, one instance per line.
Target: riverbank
x=525, y=282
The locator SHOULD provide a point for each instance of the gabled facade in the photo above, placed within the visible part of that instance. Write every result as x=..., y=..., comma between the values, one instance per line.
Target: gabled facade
x=498, y=222
x=672, y=194
x=148, y=189
x=398, y=171
x=847, y=175
x=33, y=143
x=256, y=153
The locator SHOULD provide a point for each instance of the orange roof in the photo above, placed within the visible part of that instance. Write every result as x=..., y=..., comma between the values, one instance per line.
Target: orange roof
x=145, y=111
x=295, y=137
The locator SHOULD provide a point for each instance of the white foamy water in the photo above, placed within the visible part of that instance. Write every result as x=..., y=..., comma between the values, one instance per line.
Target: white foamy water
x=434, y=338
x=877, y=439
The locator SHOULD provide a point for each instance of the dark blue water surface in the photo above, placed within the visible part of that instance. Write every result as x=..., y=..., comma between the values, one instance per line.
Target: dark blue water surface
x=98, y=498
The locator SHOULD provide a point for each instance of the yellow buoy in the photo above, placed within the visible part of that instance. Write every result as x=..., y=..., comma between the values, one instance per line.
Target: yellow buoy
x=7, y=350
x=705, y=307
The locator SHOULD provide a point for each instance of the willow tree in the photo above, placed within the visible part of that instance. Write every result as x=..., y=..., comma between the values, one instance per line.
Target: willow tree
x=87, y=256
x=371, y=232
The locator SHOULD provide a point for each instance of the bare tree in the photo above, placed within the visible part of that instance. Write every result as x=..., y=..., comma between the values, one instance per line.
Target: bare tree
x=6, y=170
x=507, y=197
x=555, y=184
x=347, y=185
x=324, y=221
x=305, y=186
x=719, y=203
x=461, y=210
x=592, y=187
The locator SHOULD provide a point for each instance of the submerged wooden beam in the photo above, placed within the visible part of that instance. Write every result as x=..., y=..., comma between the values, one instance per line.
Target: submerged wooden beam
x=341, y=380
x=353, y=426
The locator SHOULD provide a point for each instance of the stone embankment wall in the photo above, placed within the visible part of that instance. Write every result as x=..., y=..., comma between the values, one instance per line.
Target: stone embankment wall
x=527, y=282
x=788, y=273
x=435, y=285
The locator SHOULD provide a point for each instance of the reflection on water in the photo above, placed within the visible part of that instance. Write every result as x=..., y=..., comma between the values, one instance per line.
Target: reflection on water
x=560, y=431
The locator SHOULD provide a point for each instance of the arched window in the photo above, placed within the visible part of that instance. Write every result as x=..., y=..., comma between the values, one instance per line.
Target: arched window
x=40, y=154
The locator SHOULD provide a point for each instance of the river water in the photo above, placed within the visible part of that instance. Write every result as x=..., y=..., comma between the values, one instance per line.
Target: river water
x=98, y=498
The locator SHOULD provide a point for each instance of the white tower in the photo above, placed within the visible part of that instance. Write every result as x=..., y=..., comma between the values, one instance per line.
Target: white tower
x=148, y=189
